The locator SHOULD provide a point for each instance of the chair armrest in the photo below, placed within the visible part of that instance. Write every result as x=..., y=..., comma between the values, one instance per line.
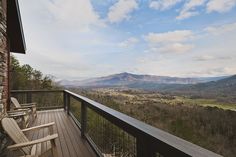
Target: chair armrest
x=30, y=143
x=19, y=114
x=39, y=127
x=29, y=104
x=17, y=111
x=25, y=107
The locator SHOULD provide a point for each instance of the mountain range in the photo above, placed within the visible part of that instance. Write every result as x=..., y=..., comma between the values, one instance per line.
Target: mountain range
x=132, y=80
x=223, y=90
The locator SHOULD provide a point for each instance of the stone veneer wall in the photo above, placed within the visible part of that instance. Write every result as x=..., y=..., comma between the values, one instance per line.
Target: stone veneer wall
x=3, y=59
x=3, y=73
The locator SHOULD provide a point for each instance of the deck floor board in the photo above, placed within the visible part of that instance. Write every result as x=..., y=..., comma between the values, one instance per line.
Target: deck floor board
x=69, y=143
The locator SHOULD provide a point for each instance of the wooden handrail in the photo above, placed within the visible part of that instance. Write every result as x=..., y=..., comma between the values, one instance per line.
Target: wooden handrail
x=28, y=95
x=37, y=91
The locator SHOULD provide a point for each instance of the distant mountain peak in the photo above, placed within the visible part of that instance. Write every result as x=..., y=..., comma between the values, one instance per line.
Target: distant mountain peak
x=122, y=74
x=125, y=73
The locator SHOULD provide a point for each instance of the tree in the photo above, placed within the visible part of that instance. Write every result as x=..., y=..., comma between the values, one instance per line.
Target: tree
x=26, y=77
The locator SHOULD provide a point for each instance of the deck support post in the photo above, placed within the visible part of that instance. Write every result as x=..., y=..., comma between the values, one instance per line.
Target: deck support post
x=64, y=100
x=68, y=103
x=145, y=147
x=83, y=118
x=29, y=97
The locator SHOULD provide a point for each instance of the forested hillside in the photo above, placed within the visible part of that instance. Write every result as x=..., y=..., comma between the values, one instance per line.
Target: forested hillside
x=26, y=77
x=223, y=90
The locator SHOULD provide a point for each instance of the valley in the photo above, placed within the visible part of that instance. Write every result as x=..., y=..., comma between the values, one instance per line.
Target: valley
x=124, y=96
x=205, y=122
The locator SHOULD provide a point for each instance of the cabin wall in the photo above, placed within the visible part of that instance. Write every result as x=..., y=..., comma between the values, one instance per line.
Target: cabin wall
x=4, y=55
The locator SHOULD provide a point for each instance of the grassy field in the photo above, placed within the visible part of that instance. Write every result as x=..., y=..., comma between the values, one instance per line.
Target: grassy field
x=205, y=103
x=141, y=96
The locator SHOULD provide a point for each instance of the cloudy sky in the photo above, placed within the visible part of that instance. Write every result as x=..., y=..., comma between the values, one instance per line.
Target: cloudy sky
x=72, y=39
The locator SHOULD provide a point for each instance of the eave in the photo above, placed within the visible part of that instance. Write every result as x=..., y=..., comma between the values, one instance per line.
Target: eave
x=14, y=28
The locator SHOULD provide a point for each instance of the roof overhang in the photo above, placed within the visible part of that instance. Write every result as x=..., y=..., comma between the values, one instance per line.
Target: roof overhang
x=14, y=28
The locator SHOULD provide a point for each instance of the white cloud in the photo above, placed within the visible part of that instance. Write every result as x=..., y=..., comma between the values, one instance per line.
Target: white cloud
x=210, y=57
x=204, y=55
x=218, y=30
x=59, y=46
x=173, y=48
x=129, y=42
x=163, y=4
x=174, y=36
x=214, y=71
x=189, y=9
x=186, y=14
x=203, y=58
x=76, y=13
x=121, y=10
x=220, y=5
x=170, y=42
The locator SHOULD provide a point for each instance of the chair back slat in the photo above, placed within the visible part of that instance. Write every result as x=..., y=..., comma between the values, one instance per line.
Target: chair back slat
x=15, y=102
x=12, y=129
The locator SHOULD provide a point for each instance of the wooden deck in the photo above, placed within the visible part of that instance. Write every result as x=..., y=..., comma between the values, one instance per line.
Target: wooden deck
x=69, y=143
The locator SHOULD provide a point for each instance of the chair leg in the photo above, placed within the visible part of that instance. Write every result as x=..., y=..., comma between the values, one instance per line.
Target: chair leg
x=24, y=124
x=35, y=114
x=34, y=111
x=54, y=149
x=26, y=121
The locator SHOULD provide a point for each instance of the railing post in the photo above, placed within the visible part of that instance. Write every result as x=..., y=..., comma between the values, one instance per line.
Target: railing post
x=28, y=97
x=83, y=118
x=145, y=147
x=68, y=103
x=64, y=100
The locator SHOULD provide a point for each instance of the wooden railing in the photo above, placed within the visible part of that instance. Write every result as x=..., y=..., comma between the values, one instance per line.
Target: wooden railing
x=45, y=99
x=111, y=132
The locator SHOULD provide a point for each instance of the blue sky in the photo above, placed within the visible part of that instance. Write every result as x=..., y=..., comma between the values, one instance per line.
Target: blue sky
x=74, y=39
